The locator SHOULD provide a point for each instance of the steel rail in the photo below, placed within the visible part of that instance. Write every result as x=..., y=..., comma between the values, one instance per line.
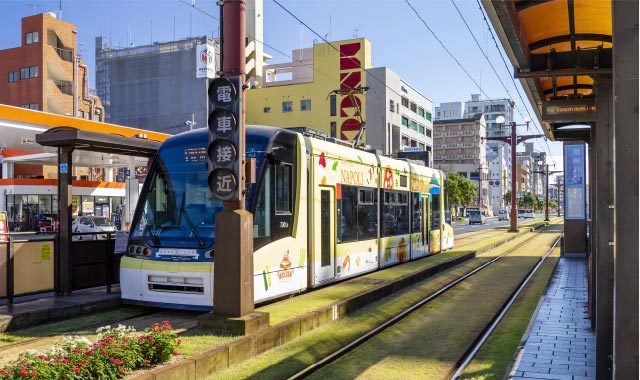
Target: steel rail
x=377, y=330
x=482, y=337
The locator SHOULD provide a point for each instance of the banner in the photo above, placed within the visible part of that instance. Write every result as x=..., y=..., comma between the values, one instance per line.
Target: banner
x=205, y=61
x=4, y=229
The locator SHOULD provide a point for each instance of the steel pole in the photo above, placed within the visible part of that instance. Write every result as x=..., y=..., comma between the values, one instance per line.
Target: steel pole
x=514, y=206
x=546, y=182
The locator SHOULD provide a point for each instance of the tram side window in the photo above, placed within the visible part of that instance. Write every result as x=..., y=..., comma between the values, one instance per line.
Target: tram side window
x=403, y=213
x=283, y=189
x=389, y=214
x=358, y=214
x=348, y=215
x=447, y=208
x=367, y=214
x=417, y=212
x=261, y=217
x=435, y=211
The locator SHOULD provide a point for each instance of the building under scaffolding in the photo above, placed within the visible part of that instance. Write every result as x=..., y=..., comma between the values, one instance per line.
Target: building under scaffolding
x=156, y=87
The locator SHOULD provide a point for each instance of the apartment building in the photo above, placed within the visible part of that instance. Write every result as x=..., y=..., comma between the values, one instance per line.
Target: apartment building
x=45, y=72
x=459, y=147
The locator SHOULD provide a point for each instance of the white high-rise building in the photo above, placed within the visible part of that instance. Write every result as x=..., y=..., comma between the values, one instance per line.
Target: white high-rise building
x=498, y=153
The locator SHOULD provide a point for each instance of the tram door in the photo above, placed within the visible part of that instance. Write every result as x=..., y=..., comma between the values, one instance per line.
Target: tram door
x=325, y=269
x=426, y=226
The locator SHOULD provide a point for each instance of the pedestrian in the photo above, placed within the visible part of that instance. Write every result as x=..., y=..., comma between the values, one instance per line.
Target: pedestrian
x=35, y=223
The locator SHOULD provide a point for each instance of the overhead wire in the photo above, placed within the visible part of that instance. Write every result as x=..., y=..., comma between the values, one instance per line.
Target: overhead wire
x=493, y=37
x=445, y=48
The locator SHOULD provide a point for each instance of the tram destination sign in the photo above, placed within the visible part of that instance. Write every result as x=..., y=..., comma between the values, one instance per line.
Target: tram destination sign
x=569, y=110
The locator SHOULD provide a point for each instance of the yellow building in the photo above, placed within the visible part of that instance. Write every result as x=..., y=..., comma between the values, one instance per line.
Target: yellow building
x=321, y=88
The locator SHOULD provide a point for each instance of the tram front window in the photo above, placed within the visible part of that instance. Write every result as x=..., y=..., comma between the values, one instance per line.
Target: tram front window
x=177, y=211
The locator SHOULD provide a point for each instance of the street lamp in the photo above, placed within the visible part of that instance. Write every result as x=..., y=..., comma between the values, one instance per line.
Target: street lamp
x=513, y=140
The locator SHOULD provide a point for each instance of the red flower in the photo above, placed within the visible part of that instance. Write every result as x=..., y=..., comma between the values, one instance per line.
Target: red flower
x=76, y=370
x=179, y=341
x=121, y=369
x=23, y=372
x=34, y=373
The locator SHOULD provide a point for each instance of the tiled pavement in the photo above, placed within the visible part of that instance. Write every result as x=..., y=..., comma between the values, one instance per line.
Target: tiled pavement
x=560, y=344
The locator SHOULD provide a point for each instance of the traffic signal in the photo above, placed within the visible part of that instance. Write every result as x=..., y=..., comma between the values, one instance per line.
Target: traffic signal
x=225, y=144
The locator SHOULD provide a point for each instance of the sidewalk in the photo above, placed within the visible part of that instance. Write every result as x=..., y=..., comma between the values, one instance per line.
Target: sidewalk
x=560, y=343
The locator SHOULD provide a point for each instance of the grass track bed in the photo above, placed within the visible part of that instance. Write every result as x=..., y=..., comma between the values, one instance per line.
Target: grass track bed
x=286, y=360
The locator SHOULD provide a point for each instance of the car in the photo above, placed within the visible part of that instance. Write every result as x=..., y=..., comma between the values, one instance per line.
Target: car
x=89, y=224
x=476, y=216
x=504, y=215
x=526, y=213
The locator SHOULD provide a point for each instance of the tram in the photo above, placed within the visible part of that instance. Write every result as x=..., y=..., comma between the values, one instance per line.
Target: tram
x=322, y=212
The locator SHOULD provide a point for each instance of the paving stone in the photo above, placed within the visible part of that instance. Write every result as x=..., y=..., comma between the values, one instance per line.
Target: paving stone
x=561, y=344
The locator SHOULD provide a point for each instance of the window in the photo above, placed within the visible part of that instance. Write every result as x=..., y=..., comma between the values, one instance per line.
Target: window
x=413, y=125
x=405, y=121
x=416, y=226
x=421, y=129
x=81, y=114
x=428, y=116
x=413, y=107
x=404, y=101
x=333, y=127
x=421, y=111
x=283, y=189
x=305, y=105
x=358, y=215
x=332, y=105
x=13, y=76
x=392, y=106
x=287, y=106
x=428, y=132
x=395, y=213
x=32, y=38
x=31, y=106
x=266, y=109
x=29, y=72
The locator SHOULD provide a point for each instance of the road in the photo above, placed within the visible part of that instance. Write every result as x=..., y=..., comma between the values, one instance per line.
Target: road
x=464, y=227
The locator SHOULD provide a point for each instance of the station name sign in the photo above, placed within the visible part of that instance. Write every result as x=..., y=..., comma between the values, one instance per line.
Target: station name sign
x=569, y=110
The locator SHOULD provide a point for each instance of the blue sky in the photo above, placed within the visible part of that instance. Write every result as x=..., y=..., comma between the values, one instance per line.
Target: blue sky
x=399, y=39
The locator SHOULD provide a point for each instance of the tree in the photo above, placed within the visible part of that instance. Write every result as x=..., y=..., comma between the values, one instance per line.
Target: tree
x=460, y=189
x=507, y=198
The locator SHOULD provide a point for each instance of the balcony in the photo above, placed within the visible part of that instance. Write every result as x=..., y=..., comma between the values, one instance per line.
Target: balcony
x=65, y=87
x=65, y=55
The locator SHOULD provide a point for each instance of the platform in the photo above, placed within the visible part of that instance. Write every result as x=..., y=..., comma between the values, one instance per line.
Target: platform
x=559, y=343
x=28, y=311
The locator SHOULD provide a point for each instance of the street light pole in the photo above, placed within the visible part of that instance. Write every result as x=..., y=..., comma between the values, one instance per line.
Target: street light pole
x=513, y=140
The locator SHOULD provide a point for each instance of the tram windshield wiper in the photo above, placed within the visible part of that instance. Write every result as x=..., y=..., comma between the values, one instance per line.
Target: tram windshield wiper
x=154, y=238
x=192, y=227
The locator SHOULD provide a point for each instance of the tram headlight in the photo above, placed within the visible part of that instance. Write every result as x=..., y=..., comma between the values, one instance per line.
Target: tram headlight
x=147, y=251
x=209, y=254
x=139, y=250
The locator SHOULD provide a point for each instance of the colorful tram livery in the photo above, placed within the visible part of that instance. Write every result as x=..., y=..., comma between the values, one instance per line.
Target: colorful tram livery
x=322, y=212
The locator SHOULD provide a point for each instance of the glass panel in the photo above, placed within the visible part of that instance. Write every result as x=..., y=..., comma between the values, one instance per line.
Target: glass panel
x=402, y=214
x=367, y=215
x=348, y=214
x=283, y=188
x=262, y=214
x=435, y=211
x=416, y=226
x=325, y=221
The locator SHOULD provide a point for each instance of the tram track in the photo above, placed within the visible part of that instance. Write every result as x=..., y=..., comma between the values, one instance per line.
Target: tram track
x=464, y=359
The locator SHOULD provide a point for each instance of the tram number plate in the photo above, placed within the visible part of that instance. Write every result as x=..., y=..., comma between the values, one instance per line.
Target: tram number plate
x=177, y=252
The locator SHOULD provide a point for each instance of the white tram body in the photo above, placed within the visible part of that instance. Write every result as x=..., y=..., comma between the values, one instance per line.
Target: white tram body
x=322, y=211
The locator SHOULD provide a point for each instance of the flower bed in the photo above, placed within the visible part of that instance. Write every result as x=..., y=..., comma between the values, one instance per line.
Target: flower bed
x=115, y=352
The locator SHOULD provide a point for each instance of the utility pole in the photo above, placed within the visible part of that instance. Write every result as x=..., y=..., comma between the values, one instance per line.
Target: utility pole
x=546, y=181
x=513, y=140
x=480, y=186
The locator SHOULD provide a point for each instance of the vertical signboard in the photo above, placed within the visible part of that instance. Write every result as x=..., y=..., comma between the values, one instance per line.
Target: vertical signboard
x=224, y=121
x=205, y=61
x=4, y=228
x=574, y=181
